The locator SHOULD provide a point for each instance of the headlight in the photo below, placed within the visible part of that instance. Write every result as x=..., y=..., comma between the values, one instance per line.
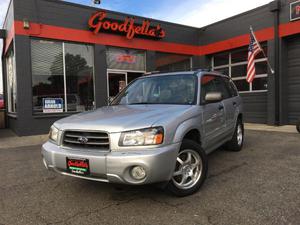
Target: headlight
x=149, y=136
x=53, y=134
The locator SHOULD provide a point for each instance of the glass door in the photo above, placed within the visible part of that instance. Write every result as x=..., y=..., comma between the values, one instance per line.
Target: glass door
x=116, y=83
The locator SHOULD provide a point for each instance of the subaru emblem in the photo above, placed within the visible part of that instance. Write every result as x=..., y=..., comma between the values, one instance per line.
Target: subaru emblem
x=83, y=140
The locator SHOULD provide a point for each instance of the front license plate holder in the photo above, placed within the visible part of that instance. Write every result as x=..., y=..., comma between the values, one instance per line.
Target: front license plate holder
x=78, y=166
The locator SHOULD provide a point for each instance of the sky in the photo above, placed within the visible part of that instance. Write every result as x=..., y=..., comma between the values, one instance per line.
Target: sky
x=197, y=13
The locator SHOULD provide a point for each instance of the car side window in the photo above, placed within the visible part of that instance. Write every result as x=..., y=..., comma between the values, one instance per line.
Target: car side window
x=234, y=89
x=231, y=87
x=207, y=85
x=221, y=87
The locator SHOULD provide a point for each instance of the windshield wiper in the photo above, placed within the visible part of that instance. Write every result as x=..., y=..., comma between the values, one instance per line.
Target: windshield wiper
x=142, y=103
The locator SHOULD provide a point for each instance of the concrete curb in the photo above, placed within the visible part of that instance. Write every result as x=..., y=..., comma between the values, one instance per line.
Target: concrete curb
x=263, y=127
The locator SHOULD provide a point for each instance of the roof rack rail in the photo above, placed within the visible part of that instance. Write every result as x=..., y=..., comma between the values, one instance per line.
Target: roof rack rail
x=196, y=69
x=152, y=72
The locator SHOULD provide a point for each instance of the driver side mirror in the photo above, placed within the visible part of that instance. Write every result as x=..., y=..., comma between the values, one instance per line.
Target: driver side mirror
x=212, y=97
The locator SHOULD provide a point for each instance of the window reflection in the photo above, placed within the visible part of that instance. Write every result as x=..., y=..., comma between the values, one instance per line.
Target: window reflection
x=172, y=62
x=49, y=78
x=47, y=72
x=11, y=82
x=79, y=77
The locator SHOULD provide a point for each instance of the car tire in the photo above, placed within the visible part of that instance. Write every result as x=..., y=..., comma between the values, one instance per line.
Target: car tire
x=298, y=127
x=237, y=141
x=190, y=171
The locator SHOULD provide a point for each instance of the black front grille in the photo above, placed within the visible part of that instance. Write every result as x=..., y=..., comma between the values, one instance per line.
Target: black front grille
x=86, y=139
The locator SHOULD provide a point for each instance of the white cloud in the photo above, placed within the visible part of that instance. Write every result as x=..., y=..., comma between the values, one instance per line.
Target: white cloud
x=199, y=13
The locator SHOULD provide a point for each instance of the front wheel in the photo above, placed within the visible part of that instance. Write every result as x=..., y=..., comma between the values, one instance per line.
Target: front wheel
x=190, y=170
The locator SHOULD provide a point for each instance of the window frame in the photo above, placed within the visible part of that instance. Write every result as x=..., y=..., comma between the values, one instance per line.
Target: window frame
x=64, y=77
x=230, y=65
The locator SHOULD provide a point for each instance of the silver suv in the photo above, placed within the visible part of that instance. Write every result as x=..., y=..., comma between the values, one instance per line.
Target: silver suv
x=159, y=129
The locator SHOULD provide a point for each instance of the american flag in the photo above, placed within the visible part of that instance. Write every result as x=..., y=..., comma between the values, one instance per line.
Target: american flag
x=254, y=49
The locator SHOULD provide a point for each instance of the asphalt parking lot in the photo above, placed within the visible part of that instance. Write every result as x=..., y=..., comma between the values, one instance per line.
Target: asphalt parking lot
x=259, y=185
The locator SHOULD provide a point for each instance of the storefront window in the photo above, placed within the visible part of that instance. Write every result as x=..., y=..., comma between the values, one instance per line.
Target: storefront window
x=79, y=77
x=234, y=64
x=11, y=82
x=221, y=59
x=62, y=77
x=166, y=62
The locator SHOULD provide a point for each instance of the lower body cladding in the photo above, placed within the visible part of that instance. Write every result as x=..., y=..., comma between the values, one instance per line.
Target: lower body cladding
x=134, y=167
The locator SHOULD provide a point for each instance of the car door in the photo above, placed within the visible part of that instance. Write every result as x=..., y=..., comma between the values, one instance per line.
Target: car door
x=213, y=113
x=230, y=103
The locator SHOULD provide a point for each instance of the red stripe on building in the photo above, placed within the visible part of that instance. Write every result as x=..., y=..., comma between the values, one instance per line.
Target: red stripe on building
x=236, y=42
x=288, y=29
x=85, y=36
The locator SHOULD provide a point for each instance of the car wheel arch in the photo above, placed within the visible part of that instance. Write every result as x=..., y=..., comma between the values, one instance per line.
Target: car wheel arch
x=188, y=130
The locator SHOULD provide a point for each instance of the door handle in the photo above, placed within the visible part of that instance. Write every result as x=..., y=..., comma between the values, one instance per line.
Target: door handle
x=221, y=107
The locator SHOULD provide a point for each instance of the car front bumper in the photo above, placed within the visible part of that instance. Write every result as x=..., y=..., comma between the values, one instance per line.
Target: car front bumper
x=115, y=166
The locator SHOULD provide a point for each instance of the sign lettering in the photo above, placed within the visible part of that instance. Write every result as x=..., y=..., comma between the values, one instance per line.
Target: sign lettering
x=126, y=58
x=52, y=105
x=98, y=22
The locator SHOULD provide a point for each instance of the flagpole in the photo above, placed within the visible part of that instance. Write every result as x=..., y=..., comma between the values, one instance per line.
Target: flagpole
x=271, y=69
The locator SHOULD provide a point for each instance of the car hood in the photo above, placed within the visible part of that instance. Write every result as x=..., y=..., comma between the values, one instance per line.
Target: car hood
x=121, y=117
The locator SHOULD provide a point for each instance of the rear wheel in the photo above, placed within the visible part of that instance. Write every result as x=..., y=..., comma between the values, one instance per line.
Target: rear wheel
x=190, y=170
x=237, y=141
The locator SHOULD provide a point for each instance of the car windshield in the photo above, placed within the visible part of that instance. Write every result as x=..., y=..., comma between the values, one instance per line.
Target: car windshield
x=169, y=89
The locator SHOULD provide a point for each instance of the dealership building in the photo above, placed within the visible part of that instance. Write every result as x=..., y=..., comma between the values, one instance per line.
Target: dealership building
x=62, y=58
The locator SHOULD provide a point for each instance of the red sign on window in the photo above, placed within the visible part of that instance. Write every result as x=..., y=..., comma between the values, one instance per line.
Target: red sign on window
x=98, y=22
x=123, y=58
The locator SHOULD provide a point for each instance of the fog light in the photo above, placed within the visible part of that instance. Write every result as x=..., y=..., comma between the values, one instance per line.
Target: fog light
x=138, y=173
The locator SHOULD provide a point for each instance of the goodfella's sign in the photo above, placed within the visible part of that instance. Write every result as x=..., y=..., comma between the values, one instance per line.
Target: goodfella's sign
x=99, y=23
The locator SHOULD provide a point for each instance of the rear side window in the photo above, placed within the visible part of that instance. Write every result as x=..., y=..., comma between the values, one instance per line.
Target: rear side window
x=231, y=87
x=211, y=83
x=207, y=85
x=221, y=87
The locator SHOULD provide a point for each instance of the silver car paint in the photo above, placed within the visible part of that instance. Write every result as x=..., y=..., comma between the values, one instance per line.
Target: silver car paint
x=215, y=127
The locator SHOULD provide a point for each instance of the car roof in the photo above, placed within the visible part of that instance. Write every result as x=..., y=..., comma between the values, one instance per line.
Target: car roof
x=195, y=72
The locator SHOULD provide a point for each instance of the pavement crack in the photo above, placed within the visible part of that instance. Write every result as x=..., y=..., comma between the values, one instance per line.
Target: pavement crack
x=88, y=213
x=227, y=170
x=166, y=203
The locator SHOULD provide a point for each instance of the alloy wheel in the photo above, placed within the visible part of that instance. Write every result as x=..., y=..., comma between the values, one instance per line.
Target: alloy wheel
x=239, y=134
x=188, y=169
